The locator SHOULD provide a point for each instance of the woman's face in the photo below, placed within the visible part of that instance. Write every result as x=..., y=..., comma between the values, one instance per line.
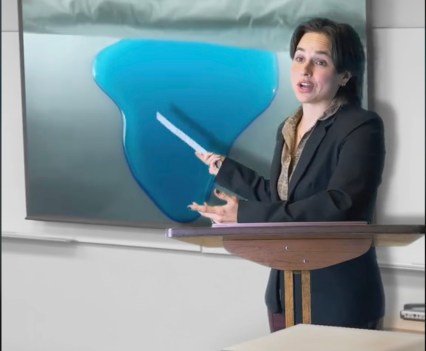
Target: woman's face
x=313, y=75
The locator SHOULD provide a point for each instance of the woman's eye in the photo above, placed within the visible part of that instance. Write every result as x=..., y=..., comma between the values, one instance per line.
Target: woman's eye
x=321, y=63
x=298, y=59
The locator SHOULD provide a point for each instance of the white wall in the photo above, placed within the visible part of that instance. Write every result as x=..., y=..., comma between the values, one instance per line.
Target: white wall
x=165, y=295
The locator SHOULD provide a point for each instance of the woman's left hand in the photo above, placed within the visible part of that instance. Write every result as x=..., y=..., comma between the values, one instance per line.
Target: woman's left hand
x=226, y=213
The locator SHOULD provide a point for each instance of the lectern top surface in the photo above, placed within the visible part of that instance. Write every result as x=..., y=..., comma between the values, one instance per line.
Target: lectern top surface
x=295, y=230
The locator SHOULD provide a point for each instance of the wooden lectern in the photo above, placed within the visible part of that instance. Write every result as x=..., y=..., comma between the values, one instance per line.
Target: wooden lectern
x=298, y=247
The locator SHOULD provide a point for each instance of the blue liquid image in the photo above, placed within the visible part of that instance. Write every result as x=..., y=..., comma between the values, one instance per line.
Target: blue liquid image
x=210, y=92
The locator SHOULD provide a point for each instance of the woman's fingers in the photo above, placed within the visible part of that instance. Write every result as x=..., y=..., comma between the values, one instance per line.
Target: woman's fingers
x=224, y=196
x=215, y=218
x=226, y=213
x=212, y=209
x=199, y=208
x=212, y=212
x=202, y=156
x=206, y=157
x=220, y=195
x=214, y=161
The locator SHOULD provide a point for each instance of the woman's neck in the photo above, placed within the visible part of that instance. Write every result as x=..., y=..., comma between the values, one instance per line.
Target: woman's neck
x=313, y=112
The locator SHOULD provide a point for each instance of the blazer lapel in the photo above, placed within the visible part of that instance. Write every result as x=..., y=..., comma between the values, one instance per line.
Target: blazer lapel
x=308, y=152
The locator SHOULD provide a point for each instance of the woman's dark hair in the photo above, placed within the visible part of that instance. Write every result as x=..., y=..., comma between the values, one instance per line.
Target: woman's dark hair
x=347, y=53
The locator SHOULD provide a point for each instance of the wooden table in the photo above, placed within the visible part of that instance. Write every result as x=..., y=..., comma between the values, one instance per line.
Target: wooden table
x=303, y=337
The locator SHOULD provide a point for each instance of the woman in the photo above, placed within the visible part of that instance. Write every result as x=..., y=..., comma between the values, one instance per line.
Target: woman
x=327, y=166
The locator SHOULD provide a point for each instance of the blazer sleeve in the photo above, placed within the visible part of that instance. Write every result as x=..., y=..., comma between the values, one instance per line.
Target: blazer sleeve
x=243, y=181
x=246, y=182
x=353, y=183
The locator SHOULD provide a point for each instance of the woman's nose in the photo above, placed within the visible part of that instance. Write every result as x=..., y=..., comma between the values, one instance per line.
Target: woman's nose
x=307, y=69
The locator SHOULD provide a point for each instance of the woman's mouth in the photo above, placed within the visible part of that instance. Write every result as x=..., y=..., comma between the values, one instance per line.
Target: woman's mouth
x=305, y=87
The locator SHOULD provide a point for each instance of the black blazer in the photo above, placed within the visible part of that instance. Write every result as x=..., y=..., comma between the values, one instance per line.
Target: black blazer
x=336, y=179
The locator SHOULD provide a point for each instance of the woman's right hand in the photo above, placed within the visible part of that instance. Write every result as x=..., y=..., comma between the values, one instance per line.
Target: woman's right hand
x=214, y=161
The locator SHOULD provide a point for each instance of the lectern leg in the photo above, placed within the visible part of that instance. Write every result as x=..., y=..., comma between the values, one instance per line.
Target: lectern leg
x=306, y=297
x=288, y=298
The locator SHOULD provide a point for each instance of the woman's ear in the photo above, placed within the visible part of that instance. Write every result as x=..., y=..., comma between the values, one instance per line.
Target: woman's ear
x=345, y=78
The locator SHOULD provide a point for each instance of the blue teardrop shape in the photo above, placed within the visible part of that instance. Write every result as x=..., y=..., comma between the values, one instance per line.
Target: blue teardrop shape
x=211, y=92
